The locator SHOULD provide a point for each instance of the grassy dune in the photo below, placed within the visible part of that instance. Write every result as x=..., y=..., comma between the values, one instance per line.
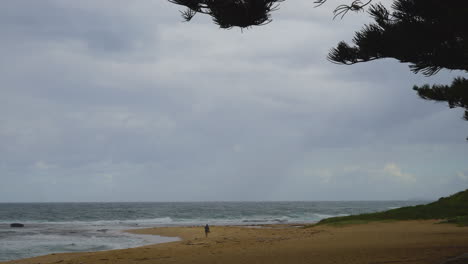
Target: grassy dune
x=452, y=209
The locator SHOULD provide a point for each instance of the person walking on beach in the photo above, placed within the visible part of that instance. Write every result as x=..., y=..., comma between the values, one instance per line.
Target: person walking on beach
x=207, y=230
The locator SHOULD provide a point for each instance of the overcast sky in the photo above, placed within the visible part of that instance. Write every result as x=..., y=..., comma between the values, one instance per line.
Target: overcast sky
x=117, y=100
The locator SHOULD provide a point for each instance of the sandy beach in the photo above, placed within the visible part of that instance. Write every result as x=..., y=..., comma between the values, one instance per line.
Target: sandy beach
x=412, y=242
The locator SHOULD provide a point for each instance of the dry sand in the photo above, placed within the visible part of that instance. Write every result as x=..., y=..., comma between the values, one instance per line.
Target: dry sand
x=412, y=242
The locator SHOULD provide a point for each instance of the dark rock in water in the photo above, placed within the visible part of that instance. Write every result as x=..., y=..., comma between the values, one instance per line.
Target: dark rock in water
x=16, y=225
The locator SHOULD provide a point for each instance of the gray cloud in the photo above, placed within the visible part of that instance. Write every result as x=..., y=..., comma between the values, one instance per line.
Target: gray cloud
x=111, y=100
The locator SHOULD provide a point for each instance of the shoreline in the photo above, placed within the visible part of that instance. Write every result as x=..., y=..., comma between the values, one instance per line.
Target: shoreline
x=415, y=242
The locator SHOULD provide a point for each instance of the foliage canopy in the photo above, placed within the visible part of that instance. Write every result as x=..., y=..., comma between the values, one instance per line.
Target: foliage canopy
x=231, y=13
x=430, y=35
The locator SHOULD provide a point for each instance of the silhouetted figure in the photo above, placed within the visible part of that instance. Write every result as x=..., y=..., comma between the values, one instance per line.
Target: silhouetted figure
x=207, y=230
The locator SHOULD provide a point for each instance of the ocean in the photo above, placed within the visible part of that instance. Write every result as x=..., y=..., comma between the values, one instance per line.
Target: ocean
x=77, y=227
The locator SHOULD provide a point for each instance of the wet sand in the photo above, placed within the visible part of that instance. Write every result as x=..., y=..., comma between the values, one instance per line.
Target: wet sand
x=412, y=242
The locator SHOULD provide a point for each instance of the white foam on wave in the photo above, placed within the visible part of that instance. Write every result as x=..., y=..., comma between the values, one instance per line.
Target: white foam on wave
x=47, y=239
x=161, y=220
x=267, y=220
x=168, y=221
x=323, y=216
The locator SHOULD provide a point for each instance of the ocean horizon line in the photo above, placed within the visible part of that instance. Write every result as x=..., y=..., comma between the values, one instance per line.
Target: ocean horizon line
x=220, y=201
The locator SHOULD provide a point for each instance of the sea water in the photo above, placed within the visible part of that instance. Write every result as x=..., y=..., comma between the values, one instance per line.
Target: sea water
x=77, y=227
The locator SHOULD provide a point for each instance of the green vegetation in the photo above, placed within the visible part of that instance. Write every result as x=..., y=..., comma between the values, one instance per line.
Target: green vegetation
x=453, y=209
x=459, y=220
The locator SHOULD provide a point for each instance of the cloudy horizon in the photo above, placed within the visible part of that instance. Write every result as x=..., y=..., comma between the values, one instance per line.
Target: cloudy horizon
x=122, y=101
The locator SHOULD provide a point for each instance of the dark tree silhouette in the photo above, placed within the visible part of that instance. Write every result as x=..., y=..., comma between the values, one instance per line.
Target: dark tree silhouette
x=343, y=9
x=248, y=13
x=231, y=13
x=430, y=35
x=456, y=94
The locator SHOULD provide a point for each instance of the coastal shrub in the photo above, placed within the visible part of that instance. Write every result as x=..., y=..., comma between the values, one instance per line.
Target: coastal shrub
x=454, y=209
